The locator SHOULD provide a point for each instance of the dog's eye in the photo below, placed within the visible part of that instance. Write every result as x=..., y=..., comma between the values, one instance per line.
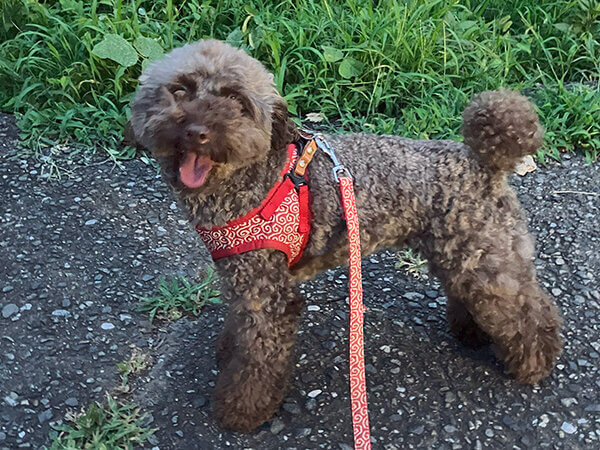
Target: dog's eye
x=232, y=97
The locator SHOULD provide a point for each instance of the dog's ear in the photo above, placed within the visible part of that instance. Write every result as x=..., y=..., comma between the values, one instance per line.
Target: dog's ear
x=283, y=131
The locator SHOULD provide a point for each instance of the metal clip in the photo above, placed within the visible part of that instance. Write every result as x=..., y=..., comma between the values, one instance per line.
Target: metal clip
x=337, y=165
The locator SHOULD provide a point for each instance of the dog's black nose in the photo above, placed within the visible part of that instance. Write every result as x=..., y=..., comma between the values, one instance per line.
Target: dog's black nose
x=198, y=132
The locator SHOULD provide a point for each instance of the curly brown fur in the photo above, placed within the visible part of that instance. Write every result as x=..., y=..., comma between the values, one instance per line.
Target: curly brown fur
x=449, y=199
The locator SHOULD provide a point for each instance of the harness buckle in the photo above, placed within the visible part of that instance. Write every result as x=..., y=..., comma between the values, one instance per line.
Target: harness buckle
x=295, y=178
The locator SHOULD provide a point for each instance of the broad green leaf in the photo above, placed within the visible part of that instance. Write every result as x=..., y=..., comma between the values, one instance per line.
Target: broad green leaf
x=564, y=27
x=332, y=54
x=350, y=68
x=148, y=47
x=117, y=49
x=235, y=37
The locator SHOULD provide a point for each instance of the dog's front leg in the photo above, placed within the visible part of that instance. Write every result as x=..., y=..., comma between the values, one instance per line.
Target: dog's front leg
x=255, y=347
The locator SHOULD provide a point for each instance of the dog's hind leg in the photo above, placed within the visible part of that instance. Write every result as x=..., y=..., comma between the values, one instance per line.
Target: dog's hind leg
x=489, y=278
x=256, y=345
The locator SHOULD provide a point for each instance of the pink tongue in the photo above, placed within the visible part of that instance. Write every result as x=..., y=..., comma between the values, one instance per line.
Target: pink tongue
x=194, y=169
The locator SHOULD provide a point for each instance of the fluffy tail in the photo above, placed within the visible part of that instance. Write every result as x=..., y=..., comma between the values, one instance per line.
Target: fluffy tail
x=501, y=127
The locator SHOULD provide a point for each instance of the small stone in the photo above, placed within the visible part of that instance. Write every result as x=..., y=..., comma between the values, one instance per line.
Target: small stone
x=313, y=308
x=450, y=397
x=60, y=313
x=292, y=408
x=45, y=415
x=10, y=401
x=413, y=296
x=147, y=420
x=9, y=310
x=2, y=435
x=199, y=402
x=449, y=428
x=71, y=401
x=567, y=402
x=303, y=432
x=277, y=425
x=328, y=345
x=417, y=430
x=556, y=292
x=7, y=288
x=91, y=222
x=107, y=326
x=568, y=428
x=593, y=408
x=526, y=441
x=315, y=393
x=179, y=433
x=147, y=277
x=489, y=432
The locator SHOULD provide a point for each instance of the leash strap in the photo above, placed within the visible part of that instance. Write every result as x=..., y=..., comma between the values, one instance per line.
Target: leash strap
x=358, y=387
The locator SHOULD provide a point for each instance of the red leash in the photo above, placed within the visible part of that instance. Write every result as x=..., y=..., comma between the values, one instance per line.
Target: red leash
x=358, y=388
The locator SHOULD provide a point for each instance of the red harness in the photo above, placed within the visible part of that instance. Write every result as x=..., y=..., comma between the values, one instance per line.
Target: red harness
x=281, y=222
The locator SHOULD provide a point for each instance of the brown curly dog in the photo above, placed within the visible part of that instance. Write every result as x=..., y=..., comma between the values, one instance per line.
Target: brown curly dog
x=215, y=104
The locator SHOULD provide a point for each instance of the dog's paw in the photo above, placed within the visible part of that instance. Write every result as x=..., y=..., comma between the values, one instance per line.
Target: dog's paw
x=246, y=397
x=530, y=360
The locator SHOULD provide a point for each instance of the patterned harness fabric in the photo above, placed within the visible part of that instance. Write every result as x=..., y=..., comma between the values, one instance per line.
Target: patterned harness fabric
x=281, y=222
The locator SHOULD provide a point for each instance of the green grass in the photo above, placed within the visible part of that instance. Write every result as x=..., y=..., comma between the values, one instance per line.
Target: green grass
x=387, y=66
x=137, y=363
x=100, y=427
x=178, y=296
x=412, y=263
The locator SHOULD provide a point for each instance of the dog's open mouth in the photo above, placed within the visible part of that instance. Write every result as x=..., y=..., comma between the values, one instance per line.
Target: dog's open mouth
x=194, y=169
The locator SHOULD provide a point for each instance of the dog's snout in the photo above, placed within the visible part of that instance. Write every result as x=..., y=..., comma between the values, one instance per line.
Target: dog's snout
x=198, y=132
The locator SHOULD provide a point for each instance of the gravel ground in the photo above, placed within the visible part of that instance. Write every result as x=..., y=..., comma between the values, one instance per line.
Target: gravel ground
x=76, y=251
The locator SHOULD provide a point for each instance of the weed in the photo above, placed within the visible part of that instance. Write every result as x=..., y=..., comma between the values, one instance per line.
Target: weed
x=178, y=296
x=412, y=263
x=115, y=426
x=137, y=363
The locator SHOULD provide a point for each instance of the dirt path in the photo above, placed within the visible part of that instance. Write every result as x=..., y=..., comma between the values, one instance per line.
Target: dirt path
x=75, y=252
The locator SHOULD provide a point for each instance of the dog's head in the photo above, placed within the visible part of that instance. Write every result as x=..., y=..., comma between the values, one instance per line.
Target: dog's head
x=207, y=109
